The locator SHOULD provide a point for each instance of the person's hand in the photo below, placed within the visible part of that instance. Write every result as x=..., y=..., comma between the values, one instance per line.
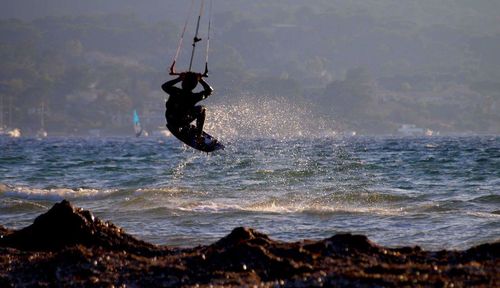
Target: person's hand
x=172, y=69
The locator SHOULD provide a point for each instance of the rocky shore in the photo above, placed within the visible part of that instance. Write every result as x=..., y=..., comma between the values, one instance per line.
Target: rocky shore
x=68, y=246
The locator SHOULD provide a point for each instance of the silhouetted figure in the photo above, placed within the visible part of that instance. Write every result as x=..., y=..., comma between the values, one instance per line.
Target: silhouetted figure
x=181, y=108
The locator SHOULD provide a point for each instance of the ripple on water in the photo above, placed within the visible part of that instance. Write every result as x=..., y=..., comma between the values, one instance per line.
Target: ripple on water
x=428, y=191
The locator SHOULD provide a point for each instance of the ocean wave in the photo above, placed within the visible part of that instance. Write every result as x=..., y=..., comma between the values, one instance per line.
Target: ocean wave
x=480, y=214
x=209, y=207
x=376, y=204
x=273, y=207
x=488, y=199
x=53, y=194
x=21, y=206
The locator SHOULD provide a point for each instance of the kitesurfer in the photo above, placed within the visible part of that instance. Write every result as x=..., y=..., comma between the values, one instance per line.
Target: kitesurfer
x=181, y=108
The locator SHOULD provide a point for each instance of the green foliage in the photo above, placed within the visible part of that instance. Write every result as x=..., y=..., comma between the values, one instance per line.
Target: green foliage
x=350, y=96
x=364, y=63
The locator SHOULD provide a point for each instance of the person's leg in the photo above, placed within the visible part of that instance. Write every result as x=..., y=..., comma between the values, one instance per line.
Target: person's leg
x=200, y=119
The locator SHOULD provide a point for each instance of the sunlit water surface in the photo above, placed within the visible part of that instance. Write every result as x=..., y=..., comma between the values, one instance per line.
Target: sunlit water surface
x=436, y=192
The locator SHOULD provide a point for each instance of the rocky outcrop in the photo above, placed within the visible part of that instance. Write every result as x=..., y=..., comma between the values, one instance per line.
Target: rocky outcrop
x=68, y=246
x=64, y=226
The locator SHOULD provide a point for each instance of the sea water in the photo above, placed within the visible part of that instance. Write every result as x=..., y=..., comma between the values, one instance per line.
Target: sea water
x=435, y=192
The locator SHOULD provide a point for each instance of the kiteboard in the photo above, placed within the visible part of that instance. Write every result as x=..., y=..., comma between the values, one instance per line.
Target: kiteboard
x=188, y=136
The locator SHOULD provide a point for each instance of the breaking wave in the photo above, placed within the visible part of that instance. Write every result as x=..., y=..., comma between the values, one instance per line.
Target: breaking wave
x=52, y=194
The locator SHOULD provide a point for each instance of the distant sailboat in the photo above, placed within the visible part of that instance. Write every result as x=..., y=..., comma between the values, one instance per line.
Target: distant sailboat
x=5, y=130
x=137, y=126
x=14, y=133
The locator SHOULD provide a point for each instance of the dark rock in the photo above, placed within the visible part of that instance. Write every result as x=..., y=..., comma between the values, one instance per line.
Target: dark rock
x=240, y=235
x=246, y=250
x=348, y=242
x=63, y=226
x=343, y=244
x=484, y=251
x=4, y=231
x=69, y=247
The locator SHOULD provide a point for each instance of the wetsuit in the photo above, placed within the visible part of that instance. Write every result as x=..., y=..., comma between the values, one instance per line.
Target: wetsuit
x=181, y=108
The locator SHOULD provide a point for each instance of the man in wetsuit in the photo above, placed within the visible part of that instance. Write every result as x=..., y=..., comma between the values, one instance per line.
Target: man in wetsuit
x=181, y=108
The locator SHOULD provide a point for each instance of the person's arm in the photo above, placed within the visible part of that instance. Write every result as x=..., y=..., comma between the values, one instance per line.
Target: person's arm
x=207, y=90
x=167, y=86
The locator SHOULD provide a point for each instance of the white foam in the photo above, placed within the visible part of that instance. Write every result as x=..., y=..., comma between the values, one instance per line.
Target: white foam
x=273, y=207
x=168, y=190
x=209, y=207
x=54, y=194
x=483, y=214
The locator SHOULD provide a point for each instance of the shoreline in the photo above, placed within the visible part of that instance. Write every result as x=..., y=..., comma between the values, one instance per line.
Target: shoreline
x=68, y=246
